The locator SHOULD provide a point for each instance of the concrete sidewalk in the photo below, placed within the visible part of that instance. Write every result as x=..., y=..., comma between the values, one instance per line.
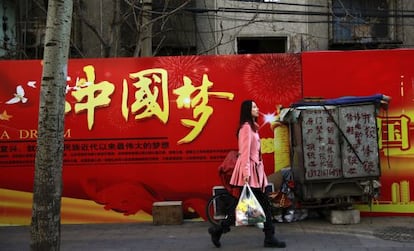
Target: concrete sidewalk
x=379, y=233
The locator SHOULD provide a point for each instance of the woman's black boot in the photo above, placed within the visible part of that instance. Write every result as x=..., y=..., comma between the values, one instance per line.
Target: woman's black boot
x=271, y=241
x=215, y=232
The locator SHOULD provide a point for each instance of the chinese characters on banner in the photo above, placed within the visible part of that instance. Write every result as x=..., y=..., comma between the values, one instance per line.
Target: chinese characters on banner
x=151, y=98
x=340, y=142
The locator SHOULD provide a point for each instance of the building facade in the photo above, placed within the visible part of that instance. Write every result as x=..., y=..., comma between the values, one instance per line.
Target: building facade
x=117, y=28
x=295, y=26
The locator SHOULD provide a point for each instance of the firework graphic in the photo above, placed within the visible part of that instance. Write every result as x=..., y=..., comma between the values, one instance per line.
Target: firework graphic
x=178, y=67
x=228, y=64
x=274, y=78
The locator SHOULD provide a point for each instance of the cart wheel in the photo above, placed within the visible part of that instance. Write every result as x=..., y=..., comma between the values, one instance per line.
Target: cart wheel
x=219, y=206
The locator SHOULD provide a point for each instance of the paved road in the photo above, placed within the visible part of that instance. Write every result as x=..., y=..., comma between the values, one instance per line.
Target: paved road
x=379, y=234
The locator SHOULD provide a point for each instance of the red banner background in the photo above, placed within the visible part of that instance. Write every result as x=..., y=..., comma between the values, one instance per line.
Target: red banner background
x=132, y=136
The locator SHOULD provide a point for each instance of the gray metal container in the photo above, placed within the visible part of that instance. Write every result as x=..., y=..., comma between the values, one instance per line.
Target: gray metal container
x=334, y=151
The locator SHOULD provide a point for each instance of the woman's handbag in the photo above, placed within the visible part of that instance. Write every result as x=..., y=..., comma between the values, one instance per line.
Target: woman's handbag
x=226, y=169
x=248, y=209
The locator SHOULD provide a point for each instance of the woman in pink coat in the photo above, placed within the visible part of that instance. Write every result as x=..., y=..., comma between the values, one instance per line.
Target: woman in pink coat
x=249, y=169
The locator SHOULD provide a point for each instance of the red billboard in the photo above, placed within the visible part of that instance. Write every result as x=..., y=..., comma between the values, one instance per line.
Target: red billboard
x=138, y=130
x=141, y=130
x=390, y=72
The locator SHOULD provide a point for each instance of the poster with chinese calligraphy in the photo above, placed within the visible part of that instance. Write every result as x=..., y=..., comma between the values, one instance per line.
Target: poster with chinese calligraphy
x=138, y=130
x=321, y=148
x=360, y=156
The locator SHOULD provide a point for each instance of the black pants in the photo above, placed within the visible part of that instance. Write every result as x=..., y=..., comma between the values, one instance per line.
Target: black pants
x=264, y=202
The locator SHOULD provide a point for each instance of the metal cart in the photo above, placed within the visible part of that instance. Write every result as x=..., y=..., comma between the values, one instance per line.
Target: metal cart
x=334, y=149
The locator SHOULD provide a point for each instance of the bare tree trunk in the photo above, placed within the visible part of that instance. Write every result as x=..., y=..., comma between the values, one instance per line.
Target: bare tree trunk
x=47, y=188
x=146, y=29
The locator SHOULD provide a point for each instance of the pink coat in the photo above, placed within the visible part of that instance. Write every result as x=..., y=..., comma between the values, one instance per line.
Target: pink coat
x=249, y=163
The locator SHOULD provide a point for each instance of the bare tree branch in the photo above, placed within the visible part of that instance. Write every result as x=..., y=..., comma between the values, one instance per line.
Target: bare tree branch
x=80, y=13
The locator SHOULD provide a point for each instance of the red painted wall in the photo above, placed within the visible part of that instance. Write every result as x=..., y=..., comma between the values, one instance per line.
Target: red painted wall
x=140, y=130
x=131, y=136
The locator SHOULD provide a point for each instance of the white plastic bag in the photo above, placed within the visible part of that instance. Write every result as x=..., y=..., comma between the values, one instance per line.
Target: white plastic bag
x=248, y=209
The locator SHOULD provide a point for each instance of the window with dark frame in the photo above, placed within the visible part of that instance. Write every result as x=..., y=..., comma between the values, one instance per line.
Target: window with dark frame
x=255, y=45
x=362, y=21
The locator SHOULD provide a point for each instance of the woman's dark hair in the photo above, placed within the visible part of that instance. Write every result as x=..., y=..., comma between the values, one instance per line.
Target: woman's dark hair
x=246, y=115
